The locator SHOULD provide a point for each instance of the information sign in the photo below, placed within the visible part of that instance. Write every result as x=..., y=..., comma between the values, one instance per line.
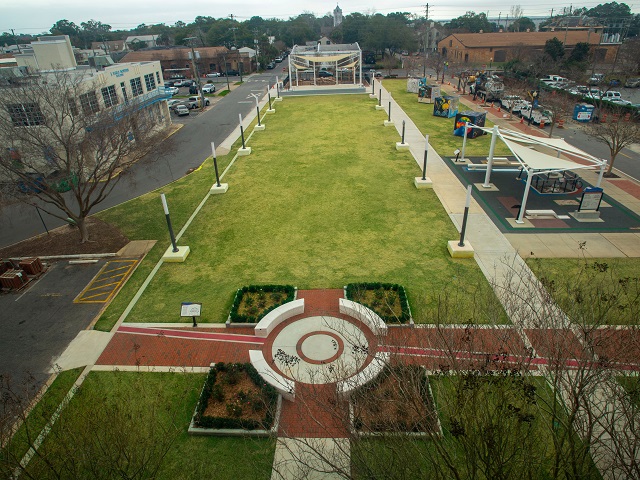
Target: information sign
x=591, y=199
x=190, y=309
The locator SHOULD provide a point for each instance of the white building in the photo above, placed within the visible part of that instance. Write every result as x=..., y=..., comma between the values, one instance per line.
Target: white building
x=117, y=89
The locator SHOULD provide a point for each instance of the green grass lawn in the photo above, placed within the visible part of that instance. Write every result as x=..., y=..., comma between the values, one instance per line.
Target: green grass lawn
x=323, y=200
x=118, y=412
x=41, y=413
x=599, y=291
x=440, y=129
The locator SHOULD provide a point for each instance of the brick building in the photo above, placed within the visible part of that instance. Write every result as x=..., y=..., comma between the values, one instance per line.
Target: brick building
x=212, y=59
x=475, y=48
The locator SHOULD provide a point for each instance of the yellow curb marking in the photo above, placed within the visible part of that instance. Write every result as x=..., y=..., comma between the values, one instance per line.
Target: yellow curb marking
x=106, y=274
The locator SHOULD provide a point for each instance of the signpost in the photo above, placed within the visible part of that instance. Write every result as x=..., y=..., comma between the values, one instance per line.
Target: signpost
x=591, y=199
x=193, y=310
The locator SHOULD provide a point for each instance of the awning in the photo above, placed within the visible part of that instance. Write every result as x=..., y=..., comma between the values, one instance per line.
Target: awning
x=533, y=159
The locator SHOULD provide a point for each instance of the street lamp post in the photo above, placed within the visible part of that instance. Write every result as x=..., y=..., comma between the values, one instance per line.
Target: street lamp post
x=490, y=63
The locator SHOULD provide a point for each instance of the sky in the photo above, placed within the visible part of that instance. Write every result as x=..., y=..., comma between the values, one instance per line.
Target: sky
x=37, y=16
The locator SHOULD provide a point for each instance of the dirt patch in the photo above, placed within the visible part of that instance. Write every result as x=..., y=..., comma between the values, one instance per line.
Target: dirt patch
x=242, y=399
x=104, y=238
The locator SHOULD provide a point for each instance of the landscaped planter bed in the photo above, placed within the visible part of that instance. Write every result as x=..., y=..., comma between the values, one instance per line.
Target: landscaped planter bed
x=398, y=401
x=388, y=300
x=234, y=401
x=253, y=302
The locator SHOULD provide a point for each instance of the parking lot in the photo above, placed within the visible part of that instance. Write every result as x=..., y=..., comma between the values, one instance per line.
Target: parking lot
x=39, y=322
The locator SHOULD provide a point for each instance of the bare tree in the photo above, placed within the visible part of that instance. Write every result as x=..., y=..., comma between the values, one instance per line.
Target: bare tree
x=559, y=106
x=474, y=401
x=59, y=137
x=617, y=132
x=99, y=434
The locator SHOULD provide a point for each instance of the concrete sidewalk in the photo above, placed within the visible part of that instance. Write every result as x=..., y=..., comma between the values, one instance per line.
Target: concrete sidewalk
x=519, y=291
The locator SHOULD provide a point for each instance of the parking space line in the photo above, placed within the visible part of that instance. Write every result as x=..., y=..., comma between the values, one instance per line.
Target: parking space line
x=92, y=294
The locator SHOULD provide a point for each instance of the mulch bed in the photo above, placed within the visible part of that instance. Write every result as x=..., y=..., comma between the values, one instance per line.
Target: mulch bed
x=233, y=394
x=398, y=401
x=103, y=238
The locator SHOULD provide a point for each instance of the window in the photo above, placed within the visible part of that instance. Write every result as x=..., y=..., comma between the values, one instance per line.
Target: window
x=451, y=43
x=73, y=106
x=136, y=86
x=124, y=92
x=158, y=78
x=25, y=114
x=150, y=82
x=89, y=103
x=109, y=95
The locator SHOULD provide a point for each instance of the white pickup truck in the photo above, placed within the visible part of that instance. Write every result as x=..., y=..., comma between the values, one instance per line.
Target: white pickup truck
x=537, y=115
x=195, y=102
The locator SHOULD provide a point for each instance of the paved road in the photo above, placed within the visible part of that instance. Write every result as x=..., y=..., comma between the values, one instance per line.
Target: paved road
x=626, y=161
x=191, y=145
x=37, y=325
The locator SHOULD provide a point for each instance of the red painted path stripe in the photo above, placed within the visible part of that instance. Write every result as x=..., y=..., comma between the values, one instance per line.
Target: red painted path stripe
x=195, y=335
x=439, y=353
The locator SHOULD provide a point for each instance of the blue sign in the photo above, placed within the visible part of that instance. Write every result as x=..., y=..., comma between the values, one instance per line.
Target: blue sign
x=119, y=73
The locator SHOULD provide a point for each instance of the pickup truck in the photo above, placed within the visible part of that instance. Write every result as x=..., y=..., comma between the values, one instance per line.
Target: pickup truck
x=537, y=115
x=194, y=102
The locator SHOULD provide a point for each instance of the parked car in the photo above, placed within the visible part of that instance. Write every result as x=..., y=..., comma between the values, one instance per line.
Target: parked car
x=193, y=89
x=180, y=110
x=232, y=73
x=596, y=78
x=173, y=90
x=168, y=83
x=620, y=101
x=195, y=102
x=611, y=95
x=537, y=115
x=271, y=65
x=213, y=75
x=632, y=83
x=209, y=88
x=324, y=73
x=278, y=59
x=172, y=102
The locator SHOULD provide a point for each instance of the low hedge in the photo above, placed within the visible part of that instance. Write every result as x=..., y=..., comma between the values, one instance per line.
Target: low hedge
x=405, y=316
x=235, y=317
x=204, y=421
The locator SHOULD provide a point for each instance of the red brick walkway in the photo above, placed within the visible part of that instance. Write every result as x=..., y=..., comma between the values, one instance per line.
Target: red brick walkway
x=317, y=411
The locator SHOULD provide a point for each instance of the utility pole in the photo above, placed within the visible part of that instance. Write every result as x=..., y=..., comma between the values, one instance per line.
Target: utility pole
x=426, y=39
x=196, y=73
x=16, y=40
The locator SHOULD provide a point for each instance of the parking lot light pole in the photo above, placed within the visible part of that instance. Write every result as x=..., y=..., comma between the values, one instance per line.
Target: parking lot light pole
x=424, y=163
x=215, y=163
x=166, y=214
x=241, y=131
x=464, y=218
